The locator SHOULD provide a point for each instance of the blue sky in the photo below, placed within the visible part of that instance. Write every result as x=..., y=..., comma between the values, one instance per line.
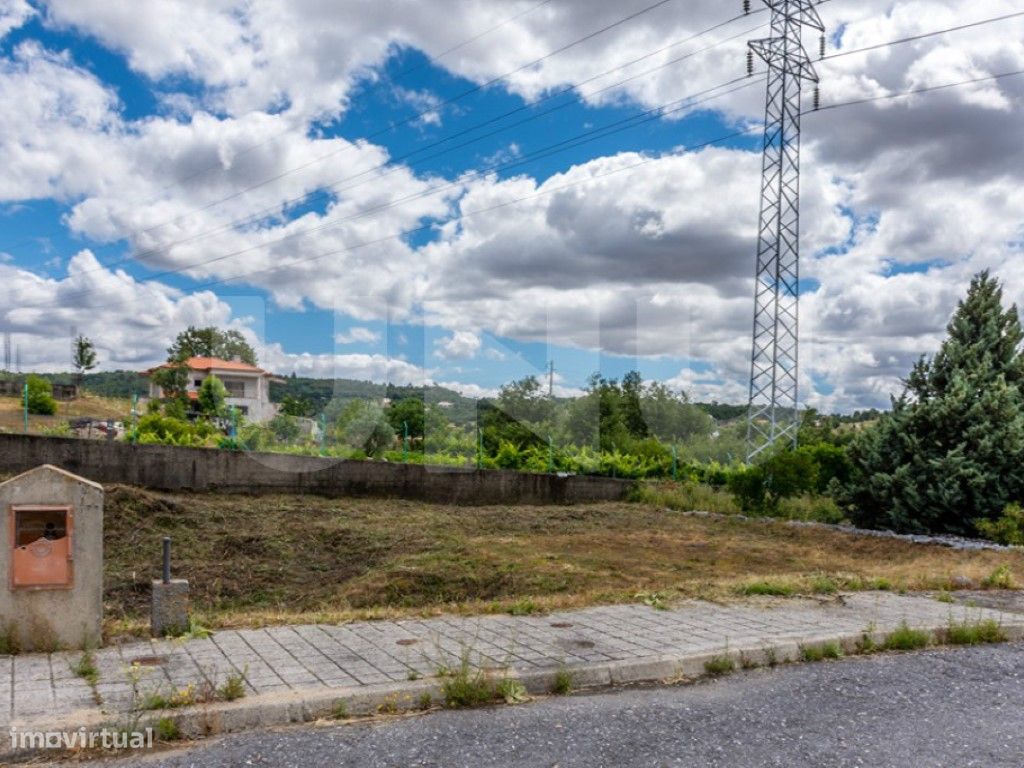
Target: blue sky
x=140, y=139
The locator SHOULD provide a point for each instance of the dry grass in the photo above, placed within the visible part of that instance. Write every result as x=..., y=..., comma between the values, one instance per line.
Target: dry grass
x=273, y=559
x=11, y=418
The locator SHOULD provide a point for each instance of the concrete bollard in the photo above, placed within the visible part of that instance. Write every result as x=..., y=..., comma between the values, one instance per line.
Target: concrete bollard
x=169, y=610
x=169, y=607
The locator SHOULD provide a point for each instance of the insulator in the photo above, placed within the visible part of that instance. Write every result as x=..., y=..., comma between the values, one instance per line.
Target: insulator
x=750, y=63
x=746, y=6
x=822, y=46
x=817, y=98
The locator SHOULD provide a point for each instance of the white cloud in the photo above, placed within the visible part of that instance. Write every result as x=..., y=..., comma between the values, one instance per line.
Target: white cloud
x=461, y=345
x=654, y=261
x=14, y=13
x=357, y=335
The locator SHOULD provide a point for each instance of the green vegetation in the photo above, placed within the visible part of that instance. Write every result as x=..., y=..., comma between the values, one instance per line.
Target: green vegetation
x=563, y=682
x=1000, y=578
x=86, y=668
x=466, y=685
x=84, y=359
x=1007, y=529
x=720, y=665
x=233, y=688
x=512, y=691
x=770, y=588
x=40, y=396
x=905, y=638
x=975, y=633
x=211, y=342
x=167, y=729
x=821, y=652
x=949, y=453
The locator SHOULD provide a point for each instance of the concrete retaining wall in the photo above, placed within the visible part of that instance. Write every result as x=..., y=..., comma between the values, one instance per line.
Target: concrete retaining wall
x=168, y=468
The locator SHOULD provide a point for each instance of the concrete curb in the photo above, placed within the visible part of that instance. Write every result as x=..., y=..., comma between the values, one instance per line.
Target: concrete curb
x=308, y=705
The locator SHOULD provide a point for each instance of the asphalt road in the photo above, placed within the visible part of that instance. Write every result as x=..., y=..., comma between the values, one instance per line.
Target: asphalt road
x=962, y=707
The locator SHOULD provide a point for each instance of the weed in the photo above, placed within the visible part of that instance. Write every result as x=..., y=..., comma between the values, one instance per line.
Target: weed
x=656, y=600
x=388, y=707
x=10, y=645
x=770, y=588
x=86, y=669
x=771, y=657
x=823, y=585
x=524, y=607
x=167, y=729
x=1000, y=578
x=866, y=644
x=426, y=701
x=821, y=652
x=340, y=710
x=413, y=675
x=944, y=597
x=233, y=688
x=194, y=631
x=512, y=691
x=747, y=662
x=465, y=686
x=720, y=665
x=563, y=682
x=904, y=638
x=975, y=633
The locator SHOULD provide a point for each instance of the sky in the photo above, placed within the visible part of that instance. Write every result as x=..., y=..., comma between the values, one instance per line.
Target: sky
x=459, y=191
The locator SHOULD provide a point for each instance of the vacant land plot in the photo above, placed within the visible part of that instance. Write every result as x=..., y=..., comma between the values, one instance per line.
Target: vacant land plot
x=257, y=560
x=91, y=406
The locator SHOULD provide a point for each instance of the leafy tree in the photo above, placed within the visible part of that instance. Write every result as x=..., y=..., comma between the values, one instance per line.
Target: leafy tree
x=172, y=379
x=366, y=428
x=212, y=396
x=40, y=396
x=285, y=427
x=296, y=406
x=950, y=451
x=211, y=342
x=408, y=411
x=84, y=359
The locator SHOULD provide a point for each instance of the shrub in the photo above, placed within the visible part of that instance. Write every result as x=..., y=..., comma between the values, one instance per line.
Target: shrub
x=1000, y=578
x=967, y=633
x=904, y=638
x=40, y=396
x=1007, y=529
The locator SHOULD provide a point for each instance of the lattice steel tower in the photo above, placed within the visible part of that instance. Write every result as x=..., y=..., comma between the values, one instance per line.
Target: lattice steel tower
x=774, y=369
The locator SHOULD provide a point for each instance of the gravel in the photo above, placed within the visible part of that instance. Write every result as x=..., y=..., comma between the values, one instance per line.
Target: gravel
x=962, y=707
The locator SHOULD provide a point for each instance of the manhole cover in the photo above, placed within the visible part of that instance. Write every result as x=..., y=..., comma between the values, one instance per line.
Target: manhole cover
x=407, y=642
x=561, y=625
x=149, y=661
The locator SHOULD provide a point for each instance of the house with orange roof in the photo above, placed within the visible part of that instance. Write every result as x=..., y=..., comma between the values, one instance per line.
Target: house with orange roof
x=248, y=387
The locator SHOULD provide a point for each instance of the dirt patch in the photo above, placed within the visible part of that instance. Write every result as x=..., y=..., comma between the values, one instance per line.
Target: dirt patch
x=268, y=559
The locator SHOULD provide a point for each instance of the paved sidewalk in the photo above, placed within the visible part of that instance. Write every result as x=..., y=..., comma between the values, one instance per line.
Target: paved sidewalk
x=295, y=673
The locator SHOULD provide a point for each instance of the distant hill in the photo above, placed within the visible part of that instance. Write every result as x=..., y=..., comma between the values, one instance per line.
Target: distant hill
x=319, y=392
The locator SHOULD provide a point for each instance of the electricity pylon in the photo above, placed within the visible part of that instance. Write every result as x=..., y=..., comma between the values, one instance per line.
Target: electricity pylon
x=773, y=417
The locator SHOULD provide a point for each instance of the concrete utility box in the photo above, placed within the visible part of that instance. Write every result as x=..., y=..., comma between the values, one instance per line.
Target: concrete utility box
x=51, y=555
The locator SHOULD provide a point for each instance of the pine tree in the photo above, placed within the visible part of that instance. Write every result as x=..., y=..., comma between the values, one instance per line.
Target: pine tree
x=952, y=449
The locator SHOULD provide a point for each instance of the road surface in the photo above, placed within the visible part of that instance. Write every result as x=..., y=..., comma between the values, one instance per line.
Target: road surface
x=956, y=707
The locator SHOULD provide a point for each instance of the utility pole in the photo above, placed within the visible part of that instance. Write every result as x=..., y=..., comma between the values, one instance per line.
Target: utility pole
x=773, y=416
x=7, y=351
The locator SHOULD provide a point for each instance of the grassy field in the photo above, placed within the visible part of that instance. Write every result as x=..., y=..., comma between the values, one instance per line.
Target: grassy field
x=11, y=416
x=262, y=560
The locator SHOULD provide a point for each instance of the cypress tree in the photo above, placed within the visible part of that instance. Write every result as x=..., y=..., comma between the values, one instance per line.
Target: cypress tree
x=952, y=450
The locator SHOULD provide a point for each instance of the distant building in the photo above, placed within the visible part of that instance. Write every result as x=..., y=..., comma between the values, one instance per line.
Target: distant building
x=445, y=404
x=248, y=386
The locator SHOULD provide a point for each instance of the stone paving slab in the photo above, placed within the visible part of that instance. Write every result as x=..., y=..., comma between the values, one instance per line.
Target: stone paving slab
x=294, y=672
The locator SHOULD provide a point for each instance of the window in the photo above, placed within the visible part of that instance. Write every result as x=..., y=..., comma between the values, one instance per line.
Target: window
x=235, y=388
x=198, y=383
x=41, y=543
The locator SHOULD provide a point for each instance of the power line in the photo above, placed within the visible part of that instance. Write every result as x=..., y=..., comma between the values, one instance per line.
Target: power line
x=419, y=115
x=569, y=185
x=430, y=60
x=923, y=36
x=307, y=197
x=588, y=136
